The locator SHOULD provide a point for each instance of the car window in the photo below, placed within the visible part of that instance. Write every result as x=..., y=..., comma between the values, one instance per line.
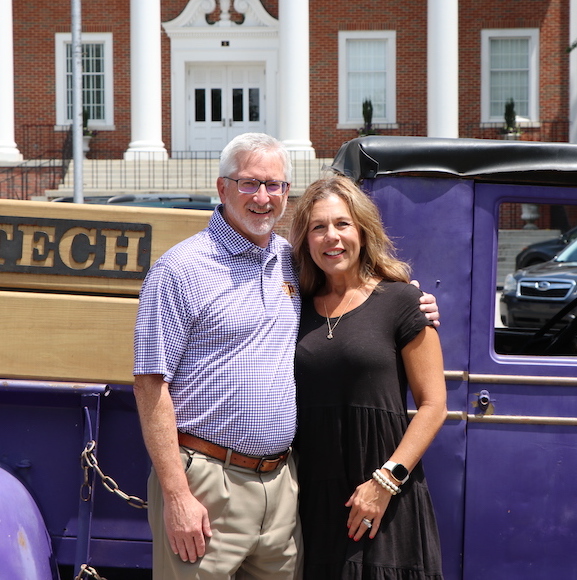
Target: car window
x=536, y=293
x=571, y=234
x=569, y=254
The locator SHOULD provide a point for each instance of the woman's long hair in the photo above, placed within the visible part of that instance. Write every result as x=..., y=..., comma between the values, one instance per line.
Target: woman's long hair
x=377, y=257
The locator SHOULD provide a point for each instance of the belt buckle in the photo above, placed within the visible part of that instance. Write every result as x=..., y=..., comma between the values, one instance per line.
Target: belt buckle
x=263, y=460
x=268, y=459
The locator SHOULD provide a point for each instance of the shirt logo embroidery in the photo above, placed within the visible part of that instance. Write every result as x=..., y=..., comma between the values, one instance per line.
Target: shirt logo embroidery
x=289, y=289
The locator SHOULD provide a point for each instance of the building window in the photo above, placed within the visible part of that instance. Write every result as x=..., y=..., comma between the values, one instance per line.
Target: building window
x=509, y=70
x=367, y=61
x=97, y=81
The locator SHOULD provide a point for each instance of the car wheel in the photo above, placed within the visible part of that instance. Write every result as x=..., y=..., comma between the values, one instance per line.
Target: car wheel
x=534, y=262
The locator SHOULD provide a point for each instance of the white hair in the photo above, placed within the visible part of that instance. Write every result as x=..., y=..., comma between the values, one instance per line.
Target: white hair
x=252, y=143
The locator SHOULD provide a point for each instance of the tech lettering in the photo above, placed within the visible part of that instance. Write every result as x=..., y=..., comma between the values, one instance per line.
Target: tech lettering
x=74, y=247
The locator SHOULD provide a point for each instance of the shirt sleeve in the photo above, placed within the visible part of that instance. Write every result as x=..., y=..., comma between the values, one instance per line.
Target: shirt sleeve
x=410, y=319
x=163, y=323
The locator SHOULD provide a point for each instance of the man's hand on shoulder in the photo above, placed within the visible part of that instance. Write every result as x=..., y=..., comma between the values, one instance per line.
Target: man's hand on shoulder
x=429, y=305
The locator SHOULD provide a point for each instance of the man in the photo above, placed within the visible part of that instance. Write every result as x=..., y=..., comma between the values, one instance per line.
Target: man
x=214, y=384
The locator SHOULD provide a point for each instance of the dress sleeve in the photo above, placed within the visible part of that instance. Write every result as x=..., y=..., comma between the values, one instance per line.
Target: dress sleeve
x=410, y=319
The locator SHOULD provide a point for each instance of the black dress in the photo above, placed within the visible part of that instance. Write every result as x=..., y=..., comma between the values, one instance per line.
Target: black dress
x=352, y=415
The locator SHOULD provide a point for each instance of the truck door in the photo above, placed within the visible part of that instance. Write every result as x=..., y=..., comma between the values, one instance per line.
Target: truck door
x=521, y=452
x=430, y=221
x=500, y=471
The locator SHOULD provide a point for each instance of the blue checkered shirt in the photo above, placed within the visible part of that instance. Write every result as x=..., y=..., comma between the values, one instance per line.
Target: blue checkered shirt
x=218, y=318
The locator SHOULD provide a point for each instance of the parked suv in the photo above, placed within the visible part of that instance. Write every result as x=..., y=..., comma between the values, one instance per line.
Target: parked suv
x=543, y=251
x=532, y=296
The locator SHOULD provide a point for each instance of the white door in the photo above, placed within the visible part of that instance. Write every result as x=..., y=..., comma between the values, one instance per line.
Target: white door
x=223, y=101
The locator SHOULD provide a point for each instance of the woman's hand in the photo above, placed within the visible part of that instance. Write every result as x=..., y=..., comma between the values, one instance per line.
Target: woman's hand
x=369, y=501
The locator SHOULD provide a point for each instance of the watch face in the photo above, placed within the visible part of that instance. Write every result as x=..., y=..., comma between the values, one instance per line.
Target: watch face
x=400, y=472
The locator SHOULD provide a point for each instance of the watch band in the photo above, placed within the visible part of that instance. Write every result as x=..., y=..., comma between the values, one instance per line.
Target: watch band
x=398, y=471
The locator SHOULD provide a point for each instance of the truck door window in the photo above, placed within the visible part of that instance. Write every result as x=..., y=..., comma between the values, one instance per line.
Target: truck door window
x=536, y=294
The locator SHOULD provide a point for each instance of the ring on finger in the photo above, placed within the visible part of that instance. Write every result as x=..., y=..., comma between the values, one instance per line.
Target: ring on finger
x=367, y=523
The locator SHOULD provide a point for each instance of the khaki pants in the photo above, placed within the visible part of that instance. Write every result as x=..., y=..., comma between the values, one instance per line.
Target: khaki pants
x=254, y=521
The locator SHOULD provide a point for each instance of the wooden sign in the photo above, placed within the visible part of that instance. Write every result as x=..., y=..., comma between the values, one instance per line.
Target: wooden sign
x=69, y=281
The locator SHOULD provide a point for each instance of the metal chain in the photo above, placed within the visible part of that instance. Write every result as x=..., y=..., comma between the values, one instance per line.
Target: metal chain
x=88, y=461
x=87, y=571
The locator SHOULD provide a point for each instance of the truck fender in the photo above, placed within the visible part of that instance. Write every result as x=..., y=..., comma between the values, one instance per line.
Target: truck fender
x=25, y=546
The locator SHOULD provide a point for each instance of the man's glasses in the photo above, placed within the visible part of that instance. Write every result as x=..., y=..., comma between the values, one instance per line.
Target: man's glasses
x=251, y=186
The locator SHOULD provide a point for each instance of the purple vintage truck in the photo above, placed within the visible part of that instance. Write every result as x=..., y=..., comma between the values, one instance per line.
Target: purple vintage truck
x=501, y=469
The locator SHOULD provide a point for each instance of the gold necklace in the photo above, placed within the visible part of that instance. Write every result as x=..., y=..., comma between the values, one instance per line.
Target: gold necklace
x=331, y=328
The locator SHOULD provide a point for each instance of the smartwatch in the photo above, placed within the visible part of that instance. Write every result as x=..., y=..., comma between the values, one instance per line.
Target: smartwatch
x=398, y=471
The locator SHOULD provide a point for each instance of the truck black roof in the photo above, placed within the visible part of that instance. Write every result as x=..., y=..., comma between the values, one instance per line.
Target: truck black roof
x=483, y=159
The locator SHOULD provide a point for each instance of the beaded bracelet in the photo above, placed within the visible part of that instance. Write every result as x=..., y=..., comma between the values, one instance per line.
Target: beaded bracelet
x=383, y=482
x=386, y=483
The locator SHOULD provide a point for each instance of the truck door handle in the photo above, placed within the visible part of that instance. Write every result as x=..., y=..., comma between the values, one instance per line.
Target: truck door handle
x=484, y=398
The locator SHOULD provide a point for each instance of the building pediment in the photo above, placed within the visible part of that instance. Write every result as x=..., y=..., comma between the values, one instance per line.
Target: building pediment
x=194, y=16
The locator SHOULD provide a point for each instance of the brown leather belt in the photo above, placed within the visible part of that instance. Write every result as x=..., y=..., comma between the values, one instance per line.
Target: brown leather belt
x=258, y=464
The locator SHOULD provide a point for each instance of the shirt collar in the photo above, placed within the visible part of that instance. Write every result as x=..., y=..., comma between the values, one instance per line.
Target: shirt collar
x=234, y=242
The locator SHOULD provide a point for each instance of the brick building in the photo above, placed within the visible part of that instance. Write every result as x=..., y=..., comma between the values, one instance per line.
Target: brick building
x=172, y=76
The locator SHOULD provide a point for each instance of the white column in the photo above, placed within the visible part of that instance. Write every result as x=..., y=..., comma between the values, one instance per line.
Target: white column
x=572, y=72
x=8, y=149
x=294, y=83
x=145, y=82
x=443, y=68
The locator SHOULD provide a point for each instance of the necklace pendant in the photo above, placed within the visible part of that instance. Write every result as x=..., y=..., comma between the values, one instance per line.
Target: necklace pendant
x=331, y=328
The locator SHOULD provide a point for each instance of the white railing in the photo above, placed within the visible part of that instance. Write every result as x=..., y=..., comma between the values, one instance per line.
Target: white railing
x=184, y=171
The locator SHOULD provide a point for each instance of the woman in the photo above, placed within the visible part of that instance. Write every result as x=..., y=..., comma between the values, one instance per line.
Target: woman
x=362, y=338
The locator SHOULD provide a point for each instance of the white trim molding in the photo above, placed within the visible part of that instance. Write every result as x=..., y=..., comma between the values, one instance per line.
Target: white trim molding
x=389, y=37
x=532, y=35
x=61, y=39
